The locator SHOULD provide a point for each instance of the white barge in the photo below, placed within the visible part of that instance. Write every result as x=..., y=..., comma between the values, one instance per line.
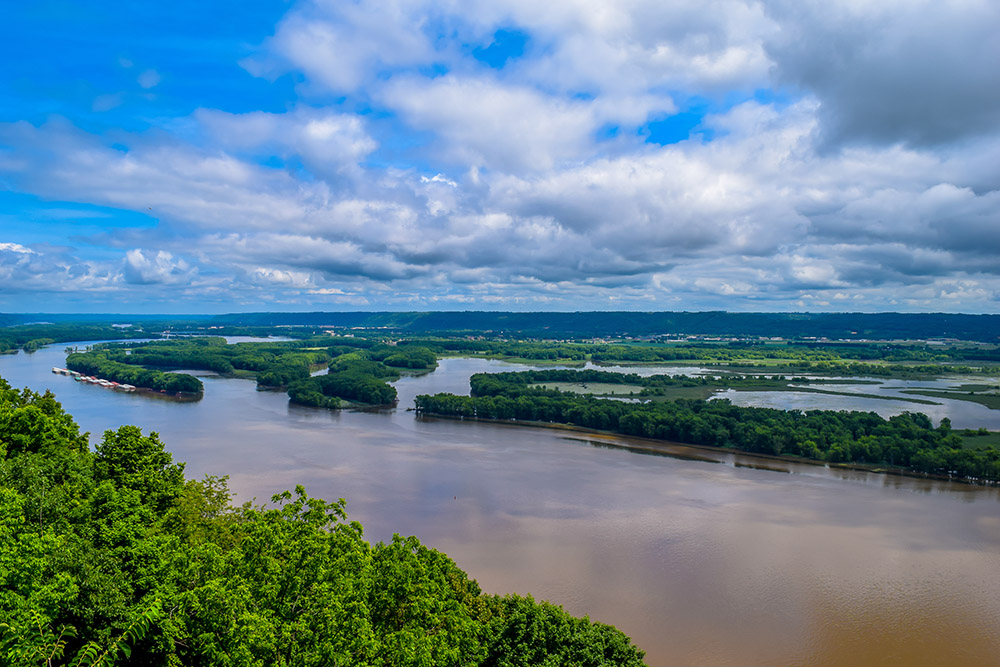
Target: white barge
x=90, y=379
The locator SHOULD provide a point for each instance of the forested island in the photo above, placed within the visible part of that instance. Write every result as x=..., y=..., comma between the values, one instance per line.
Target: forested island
x=113, y=556
x=361, y=364
x=359, y=369
x=906, y=441
x=325, y=369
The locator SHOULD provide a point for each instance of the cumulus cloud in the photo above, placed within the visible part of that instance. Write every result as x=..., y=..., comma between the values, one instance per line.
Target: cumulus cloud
x=328, y=143
x=201, y=188
x=156, y=268
x=263, y=275
x=24, y=269
x=15, y=249
x=920, y=73
x=507, y=128
x=642, y=45
x=341, y=44
x=331, y=258
x=584, y=45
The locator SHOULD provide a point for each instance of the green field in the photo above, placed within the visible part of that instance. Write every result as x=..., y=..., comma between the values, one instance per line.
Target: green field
x=625, y=390
x=992, y=401
x=706, y=391
x=674, y=393
x=979, y=388
x=979, y=441
x=595, y=388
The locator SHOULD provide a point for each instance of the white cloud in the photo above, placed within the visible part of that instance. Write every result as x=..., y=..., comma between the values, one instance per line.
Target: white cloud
x=328, y=143
x=439, y=178
x=149, y=79
x=341, y=44
x=624, y=48
x=170, y=179
x=150, y=268
x=16, y=248
x=484, y=123
x=642, y=45
x=25, y=269
x=276, y=277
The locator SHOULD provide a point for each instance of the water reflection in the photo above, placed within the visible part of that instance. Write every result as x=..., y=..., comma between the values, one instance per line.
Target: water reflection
x=963, y=414
x=891, y=397
x=674, y=452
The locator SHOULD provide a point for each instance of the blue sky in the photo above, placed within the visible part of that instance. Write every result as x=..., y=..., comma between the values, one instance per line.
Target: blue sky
x=569, y=155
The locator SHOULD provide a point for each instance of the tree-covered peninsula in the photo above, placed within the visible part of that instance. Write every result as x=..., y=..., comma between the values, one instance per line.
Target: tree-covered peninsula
x=907, y=441
x=30, y=337
x=114, y=557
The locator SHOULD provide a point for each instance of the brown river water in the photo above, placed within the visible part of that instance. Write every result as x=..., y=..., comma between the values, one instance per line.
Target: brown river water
x=703, y=558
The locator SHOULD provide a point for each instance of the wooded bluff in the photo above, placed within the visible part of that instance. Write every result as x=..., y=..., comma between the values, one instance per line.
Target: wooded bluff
x=113, y=556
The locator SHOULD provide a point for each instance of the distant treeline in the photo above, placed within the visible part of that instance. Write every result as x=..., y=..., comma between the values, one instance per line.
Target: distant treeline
x=882, y=326
x=31, y=337
x=892, y=353
x=487, y=384
x=825, y=359
x=907, y=440
x=153, y=320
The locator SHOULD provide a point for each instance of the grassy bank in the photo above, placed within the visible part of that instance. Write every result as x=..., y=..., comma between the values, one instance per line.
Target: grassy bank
x=686, y=451
x=991, y=401
x=601, y=389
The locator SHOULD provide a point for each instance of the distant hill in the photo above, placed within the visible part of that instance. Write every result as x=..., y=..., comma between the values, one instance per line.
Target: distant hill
x=14, y=319
x=881, y=326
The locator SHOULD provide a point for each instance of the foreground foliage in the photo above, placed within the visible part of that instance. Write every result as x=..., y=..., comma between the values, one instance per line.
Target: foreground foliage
x=114, y=557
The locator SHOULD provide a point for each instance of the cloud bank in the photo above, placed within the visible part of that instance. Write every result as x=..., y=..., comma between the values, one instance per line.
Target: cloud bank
x=543, y=156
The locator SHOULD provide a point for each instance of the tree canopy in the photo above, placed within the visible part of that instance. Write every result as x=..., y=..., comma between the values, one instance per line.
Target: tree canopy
x=113, y=556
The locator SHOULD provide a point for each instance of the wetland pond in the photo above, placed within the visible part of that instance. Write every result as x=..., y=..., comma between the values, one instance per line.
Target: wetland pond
x=703, y=558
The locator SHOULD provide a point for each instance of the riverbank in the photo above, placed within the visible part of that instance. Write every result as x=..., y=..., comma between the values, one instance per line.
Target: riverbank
x=665, y=447
x=991, y=401
x=911, y=370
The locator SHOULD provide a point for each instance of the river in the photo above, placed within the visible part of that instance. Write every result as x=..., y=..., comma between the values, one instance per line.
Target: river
x=702, y=558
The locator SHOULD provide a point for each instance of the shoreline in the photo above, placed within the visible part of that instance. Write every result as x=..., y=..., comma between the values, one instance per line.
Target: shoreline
x=748, y=367
x=652, y=445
